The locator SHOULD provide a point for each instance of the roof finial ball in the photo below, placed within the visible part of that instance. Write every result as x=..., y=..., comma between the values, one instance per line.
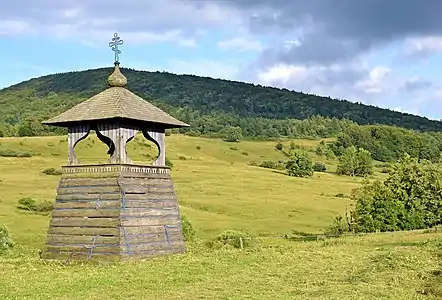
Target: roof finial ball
x=116, y=79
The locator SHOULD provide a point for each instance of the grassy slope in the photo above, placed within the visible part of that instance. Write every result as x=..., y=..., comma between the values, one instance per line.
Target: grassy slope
x=218, y=191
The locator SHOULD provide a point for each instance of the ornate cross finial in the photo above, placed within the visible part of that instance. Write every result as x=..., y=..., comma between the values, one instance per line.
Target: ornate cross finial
x=114, y=44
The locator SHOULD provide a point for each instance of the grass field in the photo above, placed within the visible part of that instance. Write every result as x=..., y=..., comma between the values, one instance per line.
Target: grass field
x=218, y=190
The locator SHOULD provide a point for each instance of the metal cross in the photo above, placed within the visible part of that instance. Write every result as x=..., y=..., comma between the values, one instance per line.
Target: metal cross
x=114, y=45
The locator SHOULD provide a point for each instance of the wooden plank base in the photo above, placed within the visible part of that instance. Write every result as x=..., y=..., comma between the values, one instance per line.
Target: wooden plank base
x=118, y=217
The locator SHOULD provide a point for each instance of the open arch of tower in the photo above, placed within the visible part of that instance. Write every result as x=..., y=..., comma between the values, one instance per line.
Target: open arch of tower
x=118, y=210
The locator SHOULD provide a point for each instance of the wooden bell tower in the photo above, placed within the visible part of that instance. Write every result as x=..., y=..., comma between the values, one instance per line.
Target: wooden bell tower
x=118, y=210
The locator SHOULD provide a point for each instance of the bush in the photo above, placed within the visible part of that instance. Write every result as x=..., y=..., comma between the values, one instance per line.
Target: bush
x=355, y=162
x=5, y=239
x=198, y=147
x=51, y=171
x=279, y=146
x=31, y=205
x=319, y=167
x=12, y=153
x=233, y=134
x=168, y=162
x=276, y=165
x=27, y=204
x=299, y=164
x=188, y=230
x=385, y=170
x=409, y=198
x=182, y=157
x=233, y=238
x=339, y=226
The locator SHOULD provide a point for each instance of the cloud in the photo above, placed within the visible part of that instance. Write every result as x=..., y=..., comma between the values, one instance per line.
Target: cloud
x=423, y=47
x=141, y=21
x=416, y=84
x=325, y=47
x=240, y=44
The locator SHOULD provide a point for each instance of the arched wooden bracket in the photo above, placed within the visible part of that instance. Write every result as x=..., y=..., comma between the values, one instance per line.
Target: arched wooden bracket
x=158, y=138
x=116, y=138
x=75, y=135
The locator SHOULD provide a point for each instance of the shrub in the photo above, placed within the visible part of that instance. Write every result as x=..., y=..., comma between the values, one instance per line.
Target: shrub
x=182, y=157
x=339, y=226
x=168, y=162
x=385, y=170
x=319, y=167
x=299, y=164
x=355, y=162
x=233, y=134
x=340, y=195
x=27, y=204
x=245, y=153
x=12, y=153
x=5, y=239
x=279, y=146
x=276, y=165
x=31, y=205
x=188, y=230
x=409, y=198
x=233, y=238
x=198, y=147
x=51, y=171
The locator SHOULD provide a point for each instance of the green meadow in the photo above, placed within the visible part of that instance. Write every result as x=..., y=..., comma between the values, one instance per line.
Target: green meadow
x=219, y=189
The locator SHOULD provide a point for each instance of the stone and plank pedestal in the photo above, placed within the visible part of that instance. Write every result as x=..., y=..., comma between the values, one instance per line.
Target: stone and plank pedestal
x=114, y=212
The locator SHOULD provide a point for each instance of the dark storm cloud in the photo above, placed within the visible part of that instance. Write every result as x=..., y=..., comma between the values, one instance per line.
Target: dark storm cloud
x=341, y=29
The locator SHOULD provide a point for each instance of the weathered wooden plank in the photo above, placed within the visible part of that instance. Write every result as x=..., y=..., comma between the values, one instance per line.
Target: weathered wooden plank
x=129, y=222
x=150, y=212
x=88, y=204
x=147, y=181
x=146, y=247
x=91, y=231
x=114, y=249
x=150, y=204
x=140, y=230
x=81, y=222
x=87, y=181
x=140, y=189
x=150, y=196
x=89, y=189
x=88, y=196
x=81, y=239
x=151, y=238
x=127, y=257
x=66, y=256
x=89, y=213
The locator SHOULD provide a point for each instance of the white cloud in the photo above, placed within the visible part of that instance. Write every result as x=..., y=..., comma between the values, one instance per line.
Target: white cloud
x=423, y=46
x=14, y=27
x=281, y=75
x=241, y=44
x=375, y=81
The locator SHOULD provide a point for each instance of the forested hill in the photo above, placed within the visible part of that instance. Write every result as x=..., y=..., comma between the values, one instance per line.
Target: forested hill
x=48, y=95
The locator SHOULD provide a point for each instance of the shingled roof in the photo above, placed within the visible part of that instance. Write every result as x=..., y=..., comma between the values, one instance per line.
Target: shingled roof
x=115, y=102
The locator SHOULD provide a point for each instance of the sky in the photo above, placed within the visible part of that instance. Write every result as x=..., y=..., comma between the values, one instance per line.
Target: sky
x=384, y=53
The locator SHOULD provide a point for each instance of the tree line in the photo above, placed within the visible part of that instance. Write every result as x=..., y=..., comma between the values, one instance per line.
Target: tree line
x=52, y=94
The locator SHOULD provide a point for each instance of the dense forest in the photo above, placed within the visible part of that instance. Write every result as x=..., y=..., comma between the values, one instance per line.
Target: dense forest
x=259, y=111
x=214, y=107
